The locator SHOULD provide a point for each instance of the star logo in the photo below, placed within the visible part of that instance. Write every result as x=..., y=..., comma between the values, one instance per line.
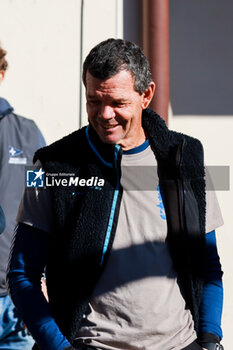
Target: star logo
x=39, y=174
x=14, y=152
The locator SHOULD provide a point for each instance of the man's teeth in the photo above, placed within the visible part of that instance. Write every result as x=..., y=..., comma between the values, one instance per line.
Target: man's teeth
x=108, y=126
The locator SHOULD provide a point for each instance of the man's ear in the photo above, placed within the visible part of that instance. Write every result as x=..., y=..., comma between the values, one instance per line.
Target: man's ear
x=2, y=74
x=147, y=95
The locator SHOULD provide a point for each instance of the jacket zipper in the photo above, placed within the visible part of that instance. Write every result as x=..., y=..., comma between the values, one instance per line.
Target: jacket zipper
x=180, y=185
x=113, y=208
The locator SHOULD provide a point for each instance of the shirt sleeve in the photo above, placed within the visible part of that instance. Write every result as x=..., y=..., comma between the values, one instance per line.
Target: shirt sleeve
x=213, y=213
x=212, y=297
x=41, y=140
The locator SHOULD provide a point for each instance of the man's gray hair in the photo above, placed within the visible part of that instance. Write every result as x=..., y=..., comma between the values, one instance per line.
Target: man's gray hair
x=114, y=55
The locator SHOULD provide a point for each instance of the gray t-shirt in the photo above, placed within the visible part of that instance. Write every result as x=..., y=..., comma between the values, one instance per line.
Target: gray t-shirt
x=137, y=303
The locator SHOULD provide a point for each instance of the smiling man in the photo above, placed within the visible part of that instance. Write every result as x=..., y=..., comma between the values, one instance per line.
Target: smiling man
x=131, y=265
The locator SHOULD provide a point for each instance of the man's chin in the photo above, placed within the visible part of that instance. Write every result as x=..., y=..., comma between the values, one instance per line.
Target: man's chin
x=109, y=136
x=109, y=140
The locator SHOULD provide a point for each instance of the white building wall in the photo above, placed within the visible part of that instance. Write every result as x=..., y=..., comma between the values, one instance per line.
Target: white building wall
x=42, y=41
x=42, y=38
x=103, y=19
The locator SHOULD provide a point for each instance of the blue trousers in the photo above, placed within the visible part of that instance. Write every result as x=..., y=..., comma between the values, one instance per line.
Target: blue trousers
x=13, y=336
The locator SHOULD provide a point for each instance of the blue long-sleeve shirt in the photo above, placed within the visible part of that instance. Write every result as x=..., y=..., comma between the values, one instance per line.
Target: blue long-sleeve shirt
x=29, y=258
x=27, y=262
x=212, y=297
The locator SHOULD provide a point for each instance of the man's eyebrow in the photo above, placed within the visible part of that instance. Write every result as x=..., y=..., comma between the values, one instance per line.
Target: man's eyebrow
x=122, y=99
x=117, y=100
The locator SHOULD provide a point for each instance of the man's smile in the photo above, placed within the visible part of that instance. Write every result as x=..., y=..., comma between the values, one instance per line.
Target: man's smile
x=108, y=126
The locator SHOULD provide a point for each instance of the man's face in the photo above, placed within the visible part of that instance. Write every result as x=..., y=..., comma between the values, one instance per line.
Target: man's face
x=114, y=109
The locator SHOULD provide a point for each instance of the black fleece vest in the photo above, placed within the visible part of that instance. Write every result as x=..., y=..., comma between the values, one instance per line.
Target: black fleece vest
x=82, y=215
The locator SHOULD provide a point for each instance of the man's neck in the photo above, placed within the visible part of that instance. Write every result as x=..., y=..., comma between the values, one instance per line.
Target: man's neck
x=132, y=142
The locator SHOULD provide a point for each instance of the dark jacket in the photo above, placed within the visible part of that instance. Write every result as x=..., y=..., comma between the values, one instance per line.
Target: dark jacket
x=19, y=139
x=86, y=219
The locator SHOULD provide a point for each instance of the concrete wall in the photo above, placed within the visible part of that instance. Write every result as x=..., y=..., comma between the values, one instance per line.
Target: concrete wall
x=103, y=19
x=42, y=82
x=43, y=40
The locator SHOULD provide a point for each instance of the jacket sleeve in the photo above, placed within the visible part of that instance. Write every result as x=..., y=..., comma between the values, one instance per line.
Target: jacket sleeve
x=41, y=140
x=212, y=297
x=27, y=262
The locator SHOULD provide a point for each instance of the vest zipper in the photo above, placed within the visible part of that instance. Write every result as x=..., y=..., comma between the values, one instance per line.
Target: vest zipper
x=180, y=185
x=113, y=208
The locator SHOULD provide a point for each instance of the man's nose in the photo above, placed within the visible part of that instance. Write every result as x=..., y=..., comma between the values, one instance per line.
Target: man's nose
x=107, y=112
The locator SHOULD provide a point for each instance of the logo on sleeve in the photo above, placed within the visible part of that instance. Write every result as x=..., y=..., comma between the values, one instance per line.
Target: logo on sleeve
x=15, y=156
x=14, y=152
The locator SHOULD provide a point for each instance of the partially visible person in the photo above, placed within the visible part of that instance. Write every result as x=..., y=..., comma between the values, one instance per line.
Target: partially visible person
x=19, y=139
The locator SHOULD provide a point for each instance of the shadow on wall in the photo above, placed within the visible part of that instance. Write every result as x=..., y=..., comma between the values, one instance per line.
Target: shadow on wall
x=201, y=56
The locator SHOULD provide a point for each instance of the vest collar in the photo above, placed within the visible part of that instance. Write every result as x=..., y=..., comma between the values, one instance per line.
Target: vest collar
x=157, y=132
x=105, y=152
x=161, y=139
